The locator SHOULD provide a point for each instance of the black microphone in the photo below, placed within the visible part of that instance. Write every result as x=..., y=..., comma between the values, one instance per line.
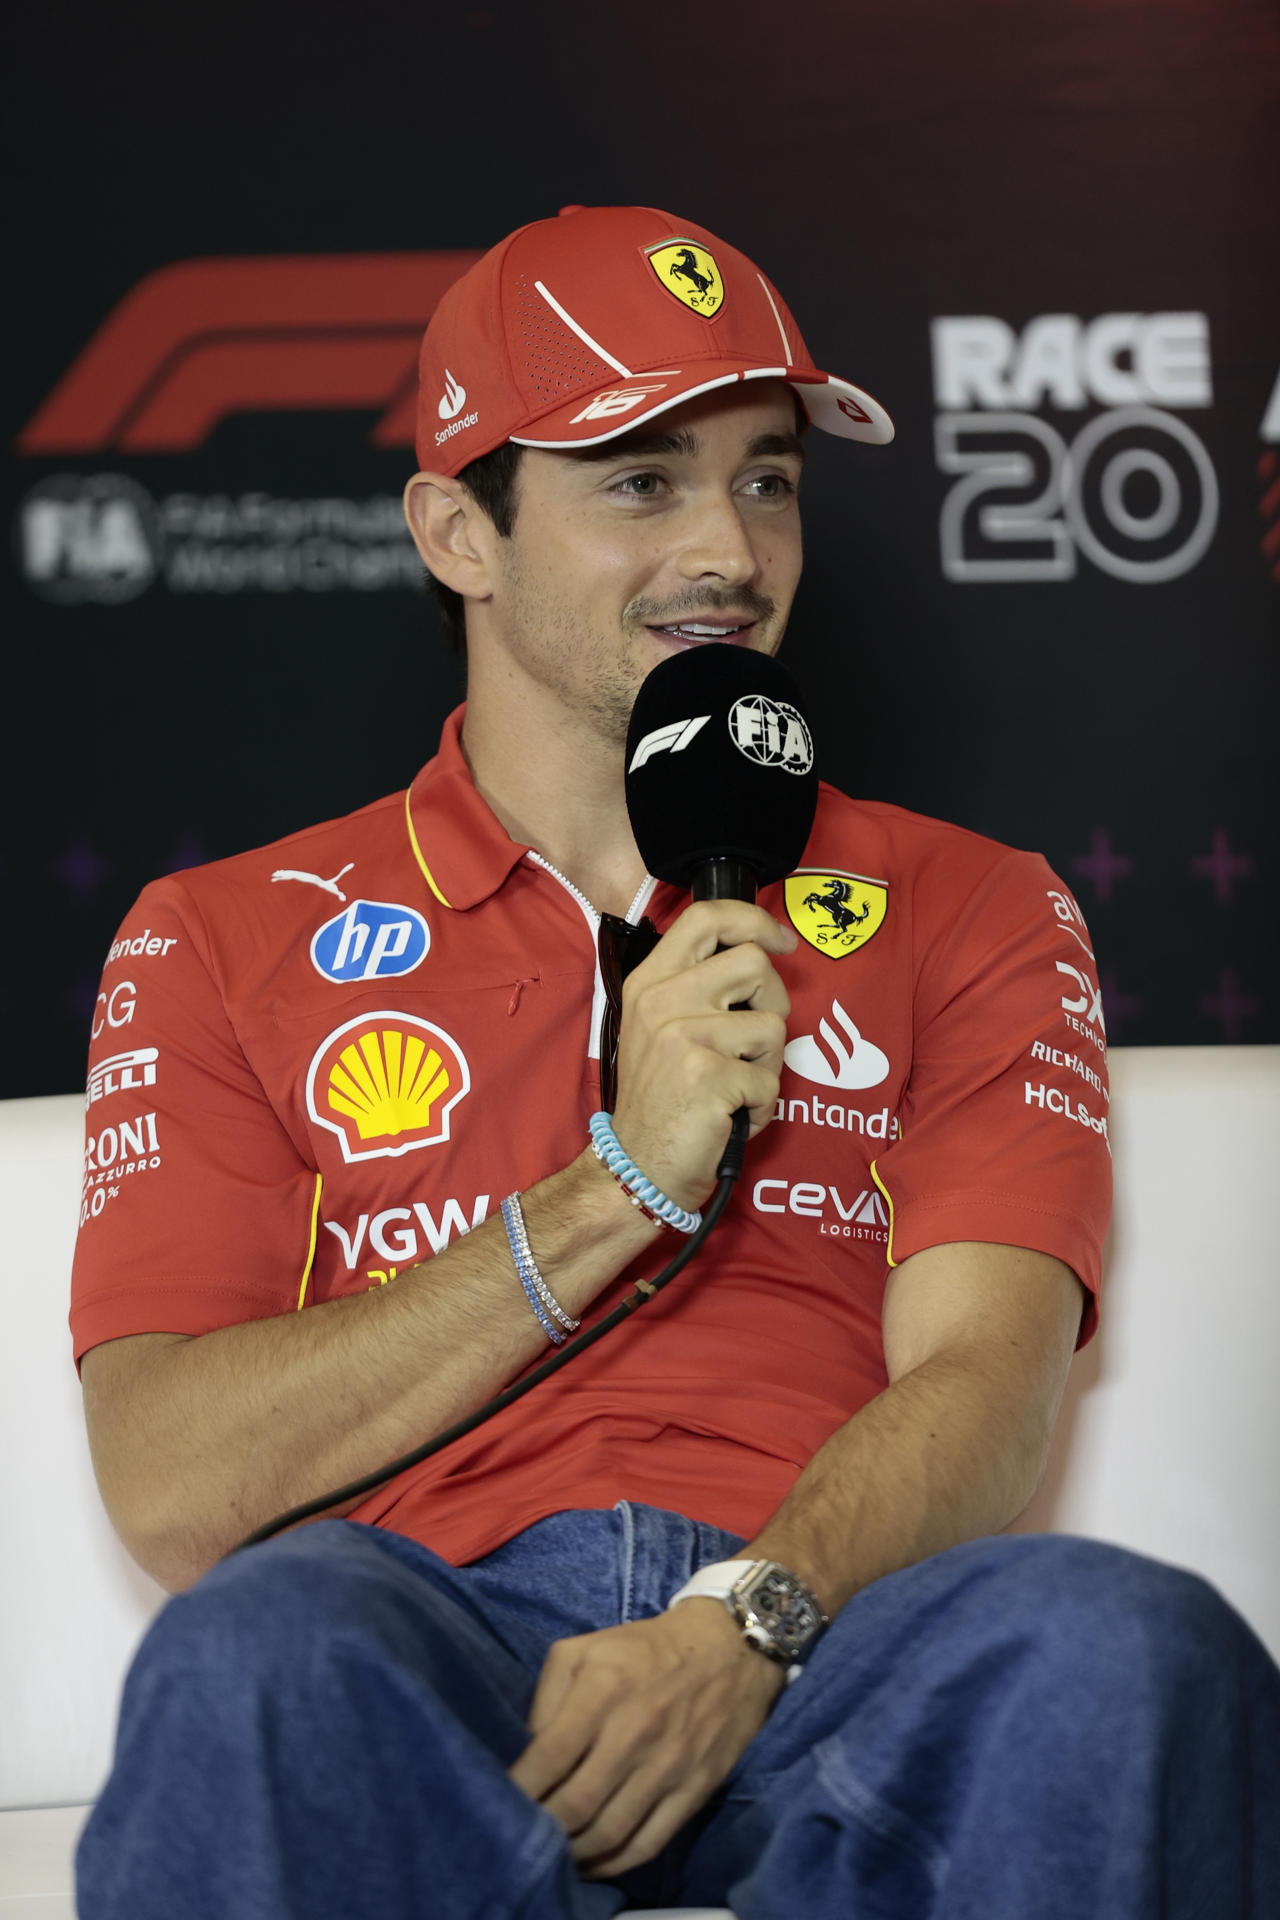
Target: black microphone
x=721, y=785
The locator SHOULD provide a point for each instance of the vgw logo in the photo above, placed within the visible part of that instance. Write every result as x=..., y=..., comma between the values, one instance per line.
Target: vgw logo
x=1134, y=490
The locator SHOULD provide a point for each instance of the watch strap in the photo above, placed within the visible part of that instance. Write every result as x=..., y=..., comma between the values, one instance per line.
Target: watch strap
x=715, y=1582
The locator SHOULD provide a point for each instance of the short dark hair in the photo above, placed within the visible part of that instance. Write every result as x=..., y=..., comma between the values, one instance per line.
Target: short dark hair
x=492, y=481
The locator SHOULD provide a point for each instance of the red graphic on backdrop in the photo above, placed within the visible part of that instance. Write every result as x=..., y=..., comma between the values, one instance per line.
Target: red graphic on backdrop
x=197, y=341
x=1269, y=509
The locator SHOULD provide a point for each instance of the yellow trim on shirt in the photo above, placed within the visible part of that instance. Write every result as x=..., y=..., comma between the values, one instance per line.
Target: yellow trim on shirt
x=888, y=1252
x=311, y=1250
x=417, y=852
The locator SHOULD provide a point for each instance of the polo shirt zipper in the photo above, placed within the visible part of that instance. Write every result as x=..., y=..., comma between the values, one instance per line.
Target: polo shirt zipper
x=637, y=907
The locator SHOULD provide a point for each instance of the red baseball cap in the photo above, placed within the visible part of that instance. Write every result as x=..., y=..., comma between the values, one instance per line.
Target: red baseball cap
x=574, y=330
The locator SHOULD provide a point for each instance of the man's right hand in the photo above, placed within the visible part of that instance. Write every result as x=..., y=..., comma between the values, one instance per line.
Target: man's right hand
x=702, y=1033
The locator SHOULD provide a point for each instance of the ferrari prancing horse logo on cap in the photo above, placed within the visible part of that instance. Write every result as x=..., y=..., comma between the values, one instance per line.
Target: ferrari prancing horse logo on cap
x=835, y=912
x=688, y=271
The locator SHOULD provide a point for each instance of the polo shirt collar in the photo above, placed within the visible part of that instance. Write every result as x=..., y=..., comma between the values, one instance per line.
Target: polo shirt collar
x=456, y=841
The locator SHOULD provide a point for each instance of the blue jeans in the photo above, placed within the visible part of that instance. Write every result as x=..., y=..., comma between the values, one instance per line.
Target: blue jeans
x=1031, y=1728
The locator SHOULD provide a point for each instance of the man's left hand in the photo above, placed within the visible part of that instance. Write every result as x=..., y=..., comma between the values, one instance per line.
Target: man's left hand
x=636, y=1726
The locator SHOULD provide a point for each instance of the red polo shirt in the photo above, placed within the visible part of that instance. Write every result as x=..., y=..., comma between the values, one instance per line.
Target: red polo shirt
x=319, y=1062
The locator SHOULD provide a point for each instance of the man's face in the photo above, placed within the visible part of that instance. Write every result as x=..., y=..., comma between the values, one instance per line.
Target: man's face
x=685, y=532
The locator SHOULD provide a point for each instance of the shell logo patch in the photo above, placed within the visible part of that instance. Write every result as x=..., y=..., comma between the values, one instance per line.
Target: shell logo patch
x=689, y=272
x=835, y=912
x=386, y=1083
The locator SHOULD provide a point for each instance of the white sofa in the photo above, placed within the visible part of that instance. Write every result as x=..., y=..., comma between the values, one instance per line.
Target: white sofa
x=1168, y=1441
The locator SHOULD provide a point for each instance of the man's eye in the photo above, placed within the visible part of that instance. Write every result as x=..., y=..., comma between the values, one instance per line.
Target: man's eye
x=643, y=486
x=772, y=486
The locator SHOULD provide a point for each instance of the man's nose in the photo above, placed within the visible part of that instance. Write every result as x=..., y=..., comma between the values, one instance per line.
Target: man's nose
x=716, y=543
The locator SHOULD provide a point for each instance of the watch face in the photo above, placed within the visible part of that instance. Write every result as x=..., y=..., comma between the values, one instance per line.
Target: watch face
x=789, y=1614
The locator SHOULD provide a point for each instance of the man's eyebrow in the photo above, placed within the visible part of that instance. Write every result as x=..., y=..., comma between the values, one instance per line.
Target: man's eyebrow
x=771, y=446
x=641, y=446
x=645, y=446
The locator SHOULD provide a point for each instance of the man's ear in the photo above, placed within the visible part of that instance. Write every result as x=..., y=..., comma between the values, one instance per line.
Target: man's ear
x=448, y=529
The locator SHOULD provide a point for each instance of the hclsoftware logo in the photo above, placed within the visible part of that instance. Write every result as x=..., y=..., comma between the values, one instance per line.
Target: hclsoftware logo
x=1133, y=490
x=186, y=349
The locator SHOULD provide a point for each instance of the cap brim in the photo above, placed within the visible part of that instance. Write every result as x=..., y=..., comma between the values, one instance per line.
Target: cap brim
x=588, y=420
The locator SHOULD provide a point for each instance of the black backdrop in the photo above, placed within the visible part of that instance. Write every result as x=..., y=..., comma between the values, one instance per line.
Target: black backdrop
x=1049, y=611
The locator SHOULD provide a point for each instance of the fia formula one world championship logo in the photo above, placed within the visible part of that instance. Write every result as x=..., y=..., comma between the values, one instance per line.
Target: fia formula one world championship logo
x=186, y=349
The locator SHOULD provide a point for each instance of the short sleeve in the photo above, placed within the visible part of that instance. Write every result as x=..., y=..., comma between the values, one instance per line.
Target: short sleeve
x=1005, y=1117
x=197, y=1210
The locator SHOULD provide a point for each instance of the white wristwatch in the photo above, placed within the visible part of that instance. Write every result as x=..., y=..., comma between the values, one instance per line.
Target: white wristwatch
x=776, y=1612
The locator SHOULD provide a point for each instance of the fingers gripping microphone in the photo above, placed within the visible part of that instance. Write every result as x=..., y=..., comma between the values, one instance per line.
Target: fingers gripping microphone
x=721, y=784
x=720, y=778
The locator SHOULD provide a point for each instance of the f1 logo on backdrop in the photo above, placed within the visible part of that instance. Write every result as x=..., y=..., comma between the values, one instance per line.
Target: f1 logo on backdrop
x=1133, y=490
x=187, y=348
x=197, y=341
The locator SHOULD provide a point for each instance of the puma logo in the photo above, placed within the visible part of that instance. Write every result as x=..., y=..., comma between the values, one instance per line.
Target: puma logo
x=314, y=880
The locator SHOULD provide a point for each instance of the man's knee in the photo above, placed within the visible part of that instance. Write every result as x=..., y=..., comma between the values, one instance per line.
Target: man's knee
x=286, y=1617
x=333, y=1622
x=1113, y=1619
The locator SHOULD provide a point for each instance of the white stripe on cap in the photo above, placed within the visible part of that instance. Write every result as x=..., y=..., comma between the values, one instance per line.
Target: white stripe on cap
x=582, y=333
x=786, y=344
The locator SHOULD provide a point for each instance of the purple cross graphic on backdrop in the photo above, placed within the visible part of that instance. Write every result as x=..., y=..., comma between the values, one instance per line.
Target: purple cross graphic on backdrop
x=188, y=851
x=81, y=871
x=1222, y=866
x=1101, y=865
x=1229, y=1006
x=1118, y=1007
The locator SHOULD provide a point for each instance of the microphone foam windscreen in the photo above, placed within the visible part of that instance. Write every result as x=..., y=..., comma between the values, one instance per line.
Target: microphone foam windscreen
x=720, y=762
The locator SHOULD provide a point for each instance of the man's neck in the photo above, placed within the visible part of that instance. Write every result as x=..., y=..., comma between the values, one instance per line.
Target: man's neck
x=558, y=788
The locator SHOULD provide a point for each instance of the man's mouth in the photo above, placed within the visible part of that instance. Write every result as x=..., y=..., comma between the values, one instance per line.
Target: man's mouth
x=694, y=633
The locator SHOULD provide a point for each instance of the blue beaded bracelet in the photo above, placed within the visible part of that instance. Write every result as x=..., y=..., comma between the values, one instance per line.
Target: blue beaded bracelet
x=608, y=1150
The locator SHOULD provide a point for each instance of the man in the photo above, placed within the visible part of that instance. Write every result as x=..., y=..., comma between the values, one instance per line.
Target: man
x=486, y=1692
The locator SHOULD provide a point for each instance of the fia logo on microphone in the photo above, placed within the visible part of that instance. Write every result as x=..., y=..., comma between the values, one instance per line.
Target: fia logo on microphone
x=773, y=733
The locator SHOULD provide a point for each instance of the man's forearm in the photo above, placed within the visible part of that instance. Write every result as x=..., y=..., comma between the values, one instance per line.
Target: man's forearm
x=212, y=1436
x=950, y=1451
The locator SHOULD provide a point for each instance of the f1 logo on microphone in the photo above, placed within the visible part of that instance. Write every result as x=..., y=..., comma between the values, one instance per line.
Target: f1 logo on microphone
x=673, y=738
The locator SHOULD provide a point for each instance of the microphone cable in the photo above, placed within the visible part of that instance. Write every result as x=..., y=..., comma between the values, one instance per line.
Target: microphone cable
x=726, y=1177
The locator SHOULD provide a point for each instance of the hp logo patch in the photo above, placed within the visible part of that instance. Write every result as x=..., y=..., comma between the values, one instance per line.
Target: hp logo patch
x=370, y=940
